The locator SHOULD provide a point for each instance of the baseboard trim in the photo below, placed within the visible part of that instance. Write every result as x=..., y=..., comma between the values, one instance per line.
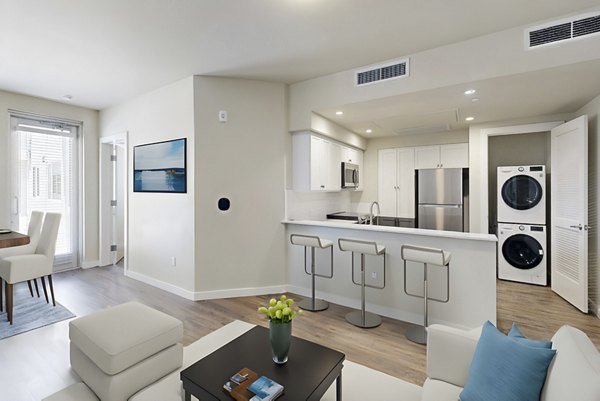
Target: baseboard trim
x=89, y=263
x=206, y=295
x=173, y=289
x=240, y=292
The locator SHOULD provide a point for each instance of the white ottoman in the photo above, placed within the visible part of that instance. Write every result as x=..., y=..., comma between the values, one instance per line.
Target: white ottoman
x=120, y=350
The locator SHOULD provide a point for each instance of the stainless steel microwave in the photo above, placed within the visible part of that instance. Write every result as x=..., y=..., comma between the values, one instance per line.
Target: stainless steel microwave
x=350, y=175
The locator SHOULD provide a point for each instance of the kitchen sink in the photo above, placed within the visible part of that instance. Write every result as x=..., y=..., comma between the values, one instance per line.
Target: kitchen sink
x=389, y=221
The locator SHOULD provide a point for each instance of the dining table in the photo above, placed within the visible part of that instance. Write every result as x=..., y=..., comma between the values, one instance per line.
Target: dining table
x=13, y=238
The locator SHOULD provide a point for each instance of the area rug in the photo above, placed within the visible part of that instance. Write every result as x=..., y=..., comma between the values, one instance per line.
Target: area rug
x=30, y=313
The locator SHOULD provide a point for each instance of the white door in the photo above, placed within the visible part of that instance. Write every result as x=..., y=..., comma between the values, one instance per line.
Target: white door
x=569, y=212
x=406, y=183
x=334, y=170
x=387, y=186
x=317, y=182
x=45, y=167
x=427, y=157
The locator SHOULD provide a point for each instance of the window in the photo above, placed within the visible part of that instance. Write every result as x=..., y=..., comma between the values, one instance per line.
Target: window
x=35, y=182
x=44, y=177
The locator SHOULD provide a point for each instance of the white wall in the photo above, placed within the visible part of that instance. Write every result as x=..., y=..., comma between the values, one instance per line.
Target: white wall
x=475, y=163
x=243, y=160
x=89, y=160
x=592, y=109
x=490, y=56
x=370, y=161
x=161, y=225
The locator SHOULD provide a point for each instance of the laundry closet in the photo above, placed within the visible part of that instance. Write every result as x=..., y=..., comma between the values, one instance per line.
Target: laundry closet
x=519, y=169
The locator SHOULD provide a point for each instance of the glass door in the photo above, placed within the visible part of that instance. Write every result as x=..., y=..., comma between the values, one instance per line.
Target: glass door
x=44, y=164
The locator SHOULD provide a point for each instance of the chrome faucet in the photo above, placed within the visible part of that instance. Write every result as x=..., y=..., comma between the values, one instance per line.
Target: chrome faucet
x=371, y=215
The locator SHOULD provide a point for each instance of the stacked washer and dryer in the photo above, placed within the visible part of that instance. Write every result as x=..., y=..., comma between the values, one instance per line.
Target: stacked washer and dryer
x=522, y=233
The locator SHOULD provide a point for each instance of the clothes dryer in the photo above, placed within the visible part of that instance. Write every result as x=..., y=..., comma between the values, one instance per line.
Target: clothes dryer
x=522, y=253
x=521, y=194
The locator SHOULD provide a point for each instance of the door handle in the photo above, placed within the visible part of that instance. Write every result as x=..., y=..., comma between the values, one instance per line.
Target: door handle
x=587, y=227
x=579, y=226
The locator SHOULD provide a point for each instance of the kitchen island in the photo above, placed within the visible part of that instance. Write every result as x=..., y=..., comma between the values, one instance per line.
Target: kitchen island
x=472, y=272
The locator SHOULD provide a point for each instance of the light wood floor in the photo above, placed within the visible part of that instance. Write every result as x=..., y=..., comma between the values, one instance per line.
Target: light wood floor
x=538, y=311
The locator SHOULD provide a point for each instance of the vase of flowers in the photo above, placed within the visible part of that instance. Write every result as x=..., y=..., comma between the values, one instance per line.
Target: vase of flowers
x=280, y=314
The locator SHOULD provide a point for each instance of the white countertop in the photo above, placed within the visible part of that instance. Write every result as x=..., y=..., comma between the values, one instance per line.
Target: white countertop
x=397, y=230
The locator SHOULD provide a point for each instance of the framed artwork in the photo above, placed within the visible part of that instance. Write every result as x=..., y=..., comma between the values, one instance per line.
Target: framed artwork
x=160, y=167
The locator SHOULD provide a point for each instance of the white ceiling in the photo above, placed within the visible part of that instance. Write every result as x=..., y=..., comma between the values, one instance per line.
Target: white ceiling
x=551, y=91
x=103, y=52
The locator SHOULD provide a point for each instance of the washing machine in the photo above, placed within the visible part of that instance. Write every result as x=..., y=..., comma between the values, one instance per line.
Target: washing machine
x=522, y=253
x=522, y=194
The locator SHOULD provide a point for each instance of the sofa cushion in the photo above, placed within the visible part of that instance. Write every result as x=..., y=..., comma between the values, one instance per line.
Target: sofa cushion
x=516, y=334
x=119, y=337
x=575, y=371
x=438, y=390
x=505, y=369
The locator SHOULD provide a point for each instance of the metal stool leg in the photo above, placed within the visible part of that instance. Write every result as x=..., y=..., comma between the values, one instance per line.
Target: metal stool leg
x=313, y=304
x=362, y=318
x=419, y=334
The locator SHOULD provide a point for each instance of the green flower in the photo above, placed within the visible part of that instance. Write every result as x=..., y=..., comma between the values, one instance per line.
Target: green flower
x=280, y=311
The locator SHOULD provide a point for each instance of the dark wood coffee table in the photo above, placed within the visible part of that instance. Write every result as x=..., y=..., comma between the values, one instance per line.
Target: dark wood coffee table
x=309, y=372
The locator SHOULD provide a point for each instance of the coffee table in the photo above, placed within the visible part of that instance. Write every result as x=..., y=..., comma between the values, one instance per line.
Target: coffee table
x=309, y=372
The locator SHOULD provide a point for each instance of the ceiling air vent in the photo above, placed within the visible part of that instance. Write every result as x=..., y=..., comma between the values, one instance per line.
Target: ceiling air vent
x=372, y=74
x=572, y=28
x=586, y=26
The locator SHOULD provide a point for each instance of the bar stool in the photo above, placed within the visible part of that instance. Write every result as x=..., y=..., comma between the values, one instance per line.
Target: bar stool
x=313, y=242
x=427, y=256
x=361, y=318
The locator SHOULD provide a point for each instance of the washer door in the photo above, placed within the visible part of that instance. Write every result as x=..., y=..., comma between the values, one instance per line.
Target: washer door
x=521, y=192
x=522, y=251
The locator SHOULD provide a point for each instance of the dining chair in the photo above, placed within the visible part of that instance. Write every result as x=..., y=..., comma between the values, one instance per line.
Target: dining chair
x=20, y=268
x=33, y=232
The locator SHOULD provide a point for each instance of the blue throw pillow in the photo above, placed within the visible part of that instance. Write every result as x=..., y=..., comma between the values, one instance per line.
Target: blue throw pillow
x=516, y=334
x=503, y=369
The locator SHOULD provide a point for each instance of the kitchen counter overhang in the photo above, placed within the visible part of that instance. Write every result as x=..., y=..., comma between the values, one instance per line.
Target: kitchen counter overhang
x=472, y=272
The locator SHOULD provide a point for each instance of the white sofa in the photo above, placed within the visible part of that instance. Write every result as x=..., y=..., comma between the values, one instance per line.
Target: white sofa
x=575, y=370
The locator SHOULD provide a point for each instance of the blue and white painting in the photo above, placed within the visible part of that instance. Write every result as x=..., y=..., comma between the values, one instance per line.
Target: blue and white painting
x=160, y=167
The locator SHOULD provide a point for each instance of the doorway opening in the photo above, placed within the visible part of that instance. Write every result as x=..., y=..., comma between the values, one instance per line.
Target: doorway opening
x=113, y=200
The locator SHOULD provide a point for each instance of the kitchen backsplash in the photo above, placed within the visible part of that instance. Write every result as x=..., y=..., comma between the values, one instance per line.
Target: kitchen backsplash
x=316, y=205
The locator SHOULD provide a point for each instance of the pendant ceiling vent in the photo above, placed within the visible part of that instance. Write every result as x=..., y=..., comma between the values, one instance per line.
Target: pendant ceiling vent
x=383, y=72
x=573, y=28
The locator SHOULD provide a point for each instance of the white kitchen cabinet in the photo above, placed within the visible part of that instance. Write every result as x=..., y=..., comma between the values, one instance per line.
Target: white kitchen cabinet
x=350, y=155
x=396, y=182
x=316, y=163
x=442, y=156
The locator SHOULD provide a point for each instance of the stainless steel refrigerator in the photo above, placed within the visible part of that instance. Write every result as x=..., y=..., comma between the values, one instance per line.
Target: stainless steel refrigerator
x=442, y=198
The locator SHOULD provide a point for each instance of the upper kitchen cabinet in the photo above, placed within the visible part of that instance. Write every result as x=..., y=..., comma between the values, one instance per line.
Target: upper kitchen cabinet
x=396, y=186
x=442, y=156
x=317, y=162
x=351, y=155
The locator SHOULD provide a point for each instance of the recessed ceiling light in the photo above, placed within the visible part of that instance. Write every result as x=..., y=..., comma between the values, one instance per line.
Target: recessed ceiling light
x=67, y=97
x=475, y=99
x=470, y=91
x=339, y=113
x=368, y=131
x=469, y=118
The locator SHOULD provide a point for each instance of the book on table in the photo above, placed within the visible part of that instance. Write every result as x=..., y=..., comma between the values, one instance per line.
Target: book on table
x=245, y=385
x=265, y=389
